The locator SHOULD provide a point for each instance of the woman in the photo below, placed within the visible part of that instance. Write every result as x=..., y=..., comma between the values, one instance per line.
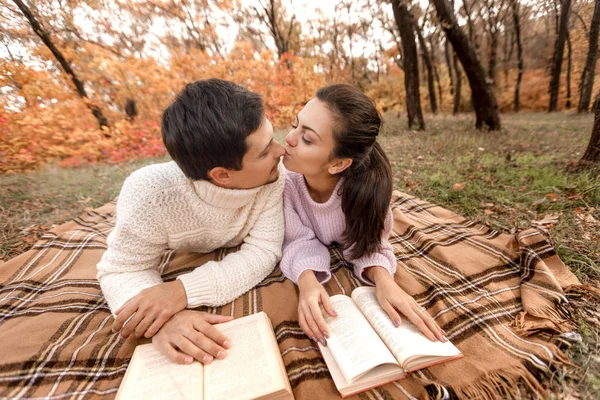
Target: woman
x=338, y=189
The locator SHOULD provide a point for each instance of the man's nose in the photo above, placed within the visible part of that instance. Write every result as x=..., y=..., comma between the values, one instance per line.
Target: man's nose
x=279, y=149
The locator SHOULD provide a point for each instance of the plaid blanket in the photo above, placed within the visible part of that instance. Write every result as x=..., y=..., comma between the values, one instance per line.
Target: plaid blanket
x=499, y=297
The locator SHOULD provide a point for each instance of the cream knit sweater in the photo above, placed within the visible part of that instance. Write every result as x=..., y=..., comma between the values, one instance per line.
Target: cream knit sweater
x=160, y=208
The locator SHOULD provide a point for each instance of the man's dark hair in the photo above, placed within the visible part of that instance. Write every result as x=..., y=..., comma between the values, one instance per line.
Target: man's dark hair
x=207, y=125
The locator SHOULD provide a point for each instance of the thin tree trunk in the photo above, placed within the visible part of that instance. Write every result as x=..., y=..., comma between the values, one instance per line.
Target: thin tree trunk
x=483, y=97
x=457, y=92
x=587, y=76
x=45, y=36
x=520, y=67
x=493, y=56
x=436, y=72
x=449, y=64
x=592, y=153
x=508, y=52
x=411, y=67
x=569, y=64
x=559, y=49
x=429, y=66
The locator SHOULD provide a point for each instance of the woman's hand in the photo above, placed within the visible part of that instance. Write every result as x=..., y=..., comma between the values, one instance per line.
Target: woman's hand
x=393, y=300
x=312, y=296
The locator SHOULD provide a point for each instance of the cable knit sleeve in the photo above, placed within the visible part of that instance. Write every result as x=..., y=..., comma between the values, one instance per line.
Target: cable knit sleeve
x=383, y=258
x=135, y=245
x=217, y=283
x=302, y=250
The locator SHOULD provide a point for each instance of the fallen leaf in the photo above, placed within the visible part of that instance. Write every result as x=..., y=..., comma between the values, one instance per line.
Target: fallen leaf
x=549, y=220
x=457, y=187
x=409, y=172
x=551, y=196
x=538, y=202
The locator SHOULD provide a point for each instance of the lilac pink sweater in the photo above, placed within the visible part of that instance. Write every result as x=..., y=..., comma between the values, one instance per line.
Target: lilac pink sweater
x=311, y=226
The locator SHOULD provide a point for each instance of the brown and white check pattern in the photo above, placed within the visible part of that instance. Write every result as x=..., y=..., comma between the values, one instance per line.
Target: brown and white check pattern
x=496, y=295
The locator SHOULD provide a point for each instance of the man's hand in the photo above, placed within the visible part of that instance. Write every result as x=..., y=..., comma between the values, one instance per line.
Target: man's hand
x=312, y=296
x=145, y=313
x=190, y=335
x=393, y=300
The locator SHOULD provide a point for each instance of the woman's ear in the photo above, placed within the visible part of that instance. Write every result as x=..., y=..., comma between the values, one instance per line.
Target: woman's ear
x=339, y=165
x=220, y=176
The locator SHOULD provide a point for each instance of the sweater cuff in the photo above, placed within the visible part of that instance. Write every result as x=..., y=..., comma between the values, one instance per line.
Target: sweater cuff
x=199, y=287
x=322, y=272
x=383, y=262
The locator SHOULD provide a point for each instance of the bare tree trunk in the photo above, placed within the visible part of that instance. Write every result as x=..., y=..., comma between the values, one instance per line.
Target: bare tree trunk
x=592, y=153
x=435, y=71
x=520, y=67
x=457, y=92
x=449, y=64
x=483, y=97
x=429, y=65
x=45, y=36
x=587, y=76
x=493, y=56
x=559, y=48
x=569, y=64
x=411, y=67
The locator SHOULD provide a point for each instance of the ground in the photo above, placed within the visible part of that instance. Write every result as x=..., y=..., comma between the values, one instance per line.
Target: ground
x=511, y=180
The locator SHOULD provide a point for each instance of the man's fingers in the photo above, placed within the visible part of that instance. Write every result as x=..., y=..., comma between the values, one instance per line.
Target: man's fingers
x=207, y=345
x=155, y=327
x=143, y=326
x=212, y=333
x=123, y=314
x=216, y=318
x=188, y=347
x=131, y=324
x=171, y=352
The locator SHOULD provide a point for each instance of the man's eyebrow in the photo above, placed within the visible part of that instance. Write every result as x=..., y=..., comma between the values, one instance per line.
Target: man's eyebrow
x=266, y=149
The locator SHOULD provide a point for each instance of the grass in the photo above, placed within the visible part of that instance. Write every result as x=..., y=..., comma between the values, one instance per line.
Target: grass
x=513, y=179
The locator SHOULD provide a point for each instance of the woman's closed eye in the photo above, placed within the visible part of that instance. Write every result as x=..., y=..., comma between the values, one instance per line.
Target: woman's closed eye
x=305, y=140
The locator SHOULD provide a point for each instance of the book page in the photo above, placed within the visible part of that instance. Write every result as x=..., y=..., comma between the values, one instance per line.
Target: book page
x=405, y=342
x=253, y=367
x=151, y=375
x=355, y=346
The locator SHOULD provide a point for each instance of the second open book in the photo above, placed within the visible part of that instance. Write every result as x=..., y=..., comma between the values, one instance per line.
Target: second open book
x=366, y=350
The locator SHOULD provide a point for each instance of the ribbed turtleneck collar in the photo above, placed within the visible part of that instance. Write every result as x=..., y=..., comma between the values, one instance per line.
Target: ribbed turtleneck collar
x=228, y=198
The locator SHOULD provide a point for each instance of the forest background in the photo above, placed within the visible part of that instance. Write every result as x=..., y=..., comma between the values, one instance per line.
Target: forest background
x=486, y=106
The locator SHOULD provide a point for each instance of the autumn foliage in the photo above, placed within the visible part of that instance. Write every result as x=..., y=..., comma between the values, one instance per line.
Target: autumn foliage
x=43, y=119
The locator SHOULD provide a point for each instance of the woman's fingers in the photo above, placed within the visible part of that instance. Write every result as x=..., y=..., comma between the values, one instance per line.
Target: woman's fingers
x=431, y=324
x=304, y=326
x=392, y=313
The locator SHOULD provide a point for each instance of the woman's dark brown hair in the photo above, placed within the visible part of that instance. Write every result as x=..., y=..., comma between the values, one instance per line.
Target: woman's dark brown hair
x=367, y=187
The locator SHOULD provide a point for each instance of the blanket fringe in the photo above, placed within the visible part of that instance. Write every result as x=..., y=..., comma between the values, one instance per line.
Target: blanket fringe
x=501, y=385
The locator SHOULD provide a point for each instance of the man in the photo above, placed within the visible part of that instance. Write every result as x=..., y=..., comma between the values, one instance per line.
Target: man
x=221, y=190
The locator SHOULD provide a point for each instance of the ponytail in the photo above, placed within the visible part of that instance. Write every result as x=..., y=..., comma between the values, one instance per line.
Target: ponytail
x=366, y=195
x=367, y=187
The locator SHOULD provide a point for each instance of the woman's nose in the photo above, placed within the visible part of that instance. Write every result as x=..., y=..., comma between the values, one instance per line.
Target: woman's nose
x=290, y=139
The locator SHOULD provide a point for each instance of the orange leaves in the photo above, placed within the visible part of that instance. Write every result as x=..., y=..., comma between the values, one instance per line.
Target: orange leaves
x=457, y=187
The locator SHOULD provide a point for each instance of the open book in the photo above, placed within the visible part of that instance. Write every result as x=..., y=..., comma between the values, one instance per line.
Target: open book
x=366, y=350
x=253, y=369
